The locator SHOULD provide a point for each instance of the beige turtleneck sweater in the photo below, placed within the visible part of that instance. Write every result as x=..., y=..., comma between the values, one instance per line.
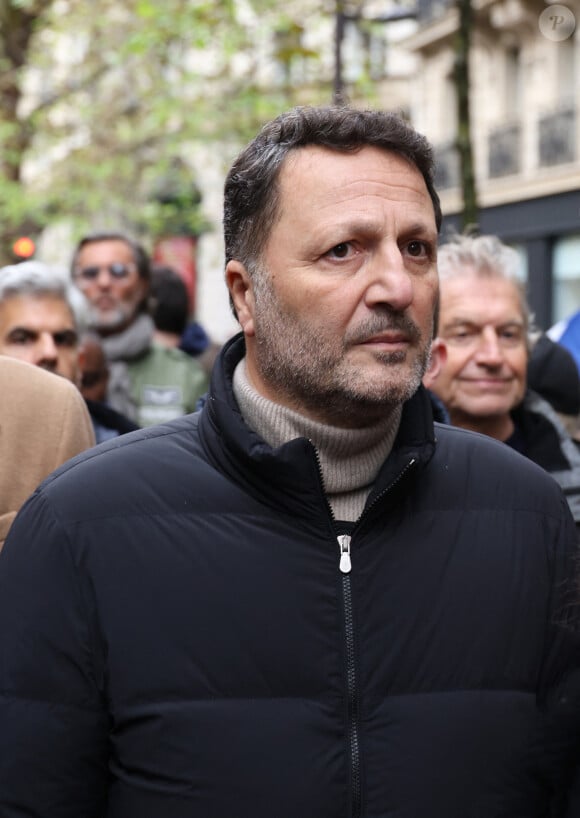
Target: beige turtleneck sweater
x=350, y=459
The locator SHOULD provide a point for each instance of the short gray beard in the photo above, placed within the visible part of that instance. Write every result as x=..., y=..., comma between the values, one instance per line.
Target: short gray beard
x=116, y=317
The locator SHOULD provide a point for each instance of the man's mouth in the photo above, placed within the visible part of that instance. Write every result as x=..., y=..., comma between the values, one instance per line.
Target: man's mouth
x=387, y=340
x=488, y=381
x=105, y=303
x=389, y=337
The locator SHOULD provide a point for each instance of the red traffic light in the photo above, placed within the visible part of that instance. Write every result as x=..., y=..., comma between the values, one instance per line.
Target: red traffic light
x=23, y=247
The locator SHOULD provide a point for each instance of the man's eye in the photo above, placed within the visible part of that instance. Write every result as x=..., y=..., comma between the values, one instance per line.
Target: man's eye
x=21, y=337
x=66, y=338
x=417, y=248
x=461, y=336
x=512, y=336
x=341, y=250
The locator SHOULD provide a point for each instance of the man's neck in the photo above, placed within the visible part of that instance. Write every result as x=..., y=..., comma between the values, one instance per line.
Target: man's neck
x=350, y=459
x=131, y=342
x=166, y=339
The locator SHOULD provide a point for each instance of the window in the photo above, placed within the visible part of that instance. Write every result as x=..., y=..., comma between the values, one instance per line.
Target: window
x=566, y=276
x=566, y=56
x=522, y=252
x=513, y=84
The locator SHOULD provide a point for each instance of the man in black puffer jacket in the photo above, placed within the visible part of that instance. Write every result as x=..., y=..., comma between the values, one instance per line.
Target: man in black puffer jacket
x=304, y=600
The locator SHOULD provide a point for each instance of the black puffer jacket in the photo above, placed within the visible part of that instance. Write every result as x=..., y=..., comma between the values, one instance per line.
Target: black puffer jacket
x=177, y=640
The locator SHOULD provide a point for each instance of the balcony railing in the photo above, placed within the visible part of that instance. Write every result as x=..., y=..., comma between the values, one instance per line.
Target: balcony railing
x=446, y=166
x=504, y=151
x=557, y=137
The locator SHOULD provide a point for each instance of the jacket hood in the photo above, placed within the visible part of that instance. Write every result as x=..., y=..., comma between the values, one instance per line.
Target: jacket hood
x=550, y=446
x=553, y=374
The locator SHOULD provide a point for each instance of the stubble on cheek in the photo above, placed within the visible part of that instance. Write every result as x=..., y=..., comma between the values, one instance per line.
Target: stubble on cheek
x=305, y=362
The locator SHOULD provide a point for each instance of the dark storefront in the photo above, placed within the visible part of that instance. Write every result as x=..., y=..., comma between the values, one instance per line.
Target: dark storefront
x=546, y=232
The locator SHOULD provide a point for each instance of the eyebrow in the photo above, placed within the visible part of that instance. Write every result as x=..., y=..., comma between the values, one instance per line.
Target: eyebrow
x=67, y=332
x=421, y=229
x=19, y=328
x=370, y=227
x=469, y=322
x=509, y=322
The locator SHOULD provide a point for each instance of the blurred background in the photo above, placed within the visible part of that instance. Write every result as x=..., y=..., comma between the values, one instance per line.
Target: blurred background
x=125, y=115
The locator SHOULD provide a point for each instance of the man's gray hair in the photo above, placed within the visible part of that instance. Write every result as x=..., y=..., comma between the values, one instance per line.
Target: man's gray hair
x=38, y=280
x=485, y=257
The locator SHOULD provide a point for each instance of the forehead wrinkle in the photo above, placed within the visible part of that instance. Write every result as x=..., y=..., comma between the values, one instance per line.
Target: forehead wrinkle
x=496, y=298
x=32, y=319
x=362, y=194
x=397, y=174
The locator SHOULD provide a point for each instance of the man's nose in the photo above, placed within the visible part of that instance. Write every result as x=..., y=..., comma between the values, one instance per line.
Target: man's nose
x=46, y=351
x=489, y=349
x=104, y=277
x=389, y=281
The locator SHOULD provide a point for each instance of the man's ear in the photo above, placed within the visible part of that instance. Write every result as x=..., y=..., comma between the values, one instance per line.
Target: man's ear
x=436, y=362
x=81, y=362
x=239, y=284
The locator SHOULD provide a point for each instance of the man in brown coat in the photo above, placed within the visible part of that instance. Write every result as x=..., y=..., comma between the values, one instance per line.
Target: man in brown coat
x=43, y=422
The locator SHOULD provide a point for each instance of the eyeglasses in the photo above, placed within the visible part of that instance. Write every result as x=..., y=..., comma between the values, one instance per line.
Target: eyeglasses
x=116, y=270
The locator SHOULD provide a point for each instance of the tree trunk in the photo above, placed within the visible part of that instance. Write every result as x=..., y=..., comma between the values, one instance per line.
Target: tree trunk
x=464, y=141
x=338, y=95
x=16, y=30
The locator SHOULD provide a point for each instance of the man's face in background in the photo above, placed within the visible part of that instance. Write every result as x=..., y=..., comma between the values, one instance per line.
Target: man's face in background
x=40, y=330
x=107, y=275
x=484, y=375
x=94, y=372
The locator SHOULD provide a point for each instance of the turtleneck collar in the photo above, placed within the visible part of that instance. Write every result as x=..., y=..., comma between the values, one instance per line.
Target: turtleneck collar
x=350, y=459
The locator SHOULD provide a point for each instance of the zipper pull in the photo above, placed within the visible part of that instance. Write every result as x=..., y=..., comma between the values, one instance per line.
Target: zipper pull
x=344, y=545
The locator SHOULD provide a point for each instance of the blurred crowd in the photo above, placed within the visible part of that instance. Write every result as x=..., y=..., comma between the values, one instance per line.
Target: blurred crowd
x=294, y=593
x=119, y=329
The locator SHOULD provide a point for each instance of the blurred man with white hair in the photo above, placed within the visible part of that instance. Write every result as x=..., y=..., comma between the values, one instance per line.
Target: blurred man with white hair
x=38, y=324
x=484, y=324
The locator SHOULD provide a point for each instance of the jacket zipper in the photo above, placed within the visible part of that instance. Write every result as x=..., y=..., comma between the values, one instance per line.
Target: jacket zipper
x=352, y=697
x=353, y=707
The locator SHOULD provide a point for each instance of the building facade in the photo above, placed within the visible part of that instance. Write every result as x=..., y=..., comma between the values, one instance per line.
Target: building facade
x=525, y=123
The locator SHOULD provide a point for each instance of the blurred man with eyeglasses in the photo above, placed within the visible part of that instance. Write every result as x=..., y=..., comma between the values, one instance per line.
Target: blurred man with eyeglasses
x=148, y=382
x=484, y=326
